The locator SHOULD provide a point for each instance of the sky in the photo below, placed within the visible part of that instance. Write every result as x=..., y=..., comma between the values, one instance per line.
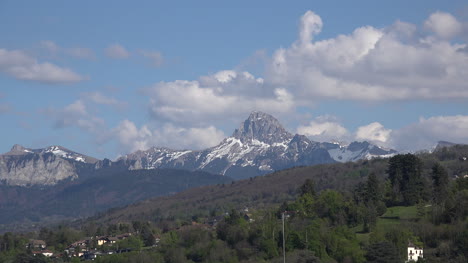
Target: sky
x=106, y=78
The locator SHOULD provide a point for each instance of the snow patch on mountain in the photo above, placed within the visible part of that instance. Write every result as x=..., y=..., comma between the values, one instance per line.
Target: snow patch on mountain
x=64, y=153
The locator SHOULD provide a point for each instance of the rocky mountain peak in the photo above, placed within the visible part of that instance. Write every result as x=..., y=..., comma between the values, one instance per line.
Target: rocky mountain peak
x=262, y=127
x=17, y=148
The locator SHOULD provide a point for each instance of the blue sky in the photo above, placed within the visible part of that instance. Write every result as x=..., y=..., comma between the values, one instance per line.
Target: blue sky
x=106, y=78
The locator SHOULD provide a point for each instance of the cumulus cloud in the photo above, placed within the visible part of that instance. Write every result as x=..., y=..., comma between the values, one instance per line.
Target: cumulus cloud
x=443, y=25
x=117, y=51
x=21, y=66
x=131, y=138
x=155, y=58
x=218, y=96
x=371, y=64
x=425, y=133
x=324, y=129
x=373, y=132
x=311, y=24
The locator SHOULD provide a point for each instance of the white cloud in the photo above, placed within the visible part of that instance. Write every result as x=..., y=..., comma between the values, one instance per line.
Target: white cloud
x=370, y=64
x=77, y=108
x=50, y=46
x=373, y=132
x=99, y=98
x=324, y=129
x=24, y=67
x=78, y=52
x=156, y=58
x=75, y=115
x=443, y=25
x=218, y=96
x=131, y=138
x=311, y=24
x=117, y=51
x=427, y=132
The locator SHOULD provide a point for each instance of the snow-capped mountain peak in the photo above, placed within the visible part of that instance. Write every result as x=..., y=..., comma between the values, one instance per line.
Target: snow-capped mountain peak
x=356, y=151
x=259, y=145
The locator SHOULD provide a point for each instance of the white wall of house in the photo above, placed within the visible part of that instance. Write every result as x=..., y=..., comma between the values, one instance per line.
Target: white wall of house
x=414, y=253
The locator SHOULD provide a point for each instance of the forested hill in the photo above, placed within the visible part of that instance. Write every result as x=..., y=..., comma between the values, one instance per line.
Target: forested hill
x=23, y=208
x=276, y=188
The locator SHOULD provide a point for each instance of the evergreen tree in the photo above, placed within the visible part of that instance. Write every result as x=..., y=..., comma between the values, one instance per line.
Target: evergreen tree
x=382, y=252
x=440, y=182
x=307, y=188
x=404, y=172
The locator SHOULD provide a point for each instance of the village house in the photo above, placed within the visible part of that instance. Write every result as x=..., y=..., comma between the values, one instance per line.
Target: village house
x=107, y=240
x=46, y=253
x=78, y=248
x=414, y=252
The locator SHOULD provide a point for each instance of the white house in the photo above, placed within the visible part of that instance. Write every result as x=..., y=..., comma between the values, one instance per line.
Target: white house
x=46, y=253
x=414, y=252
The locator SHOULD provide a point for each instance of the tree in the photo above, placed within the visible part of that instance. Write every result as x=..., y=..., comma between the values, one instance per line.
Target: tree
x=330, y=205
x=382, y=252
x=440, y=181
x=307, y=188
x=404, y=172
x=373, y=192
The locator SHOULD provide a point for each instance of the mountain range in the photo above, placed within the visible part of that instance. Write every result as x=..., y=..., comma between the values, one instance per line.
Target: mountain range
x=260, y=145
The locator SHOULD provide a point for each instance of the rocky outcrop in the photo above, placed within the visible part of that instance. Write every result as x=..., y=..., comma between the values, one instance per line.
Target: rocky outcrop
x=34, y=168
x=26, y=167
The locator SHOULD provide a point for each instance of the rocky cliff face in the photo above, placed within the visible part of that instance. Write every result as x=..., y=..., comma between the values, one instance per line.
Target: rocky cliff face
x=25, y=167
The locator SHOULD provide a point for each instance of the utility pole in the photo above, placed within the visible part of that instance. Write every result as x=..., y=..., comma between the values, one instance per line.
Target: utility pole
x=284, y=241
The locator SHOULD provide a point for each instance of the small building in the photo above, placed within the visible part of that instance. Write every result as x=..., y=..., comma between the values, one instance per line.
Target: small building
x=46, y=253
x=414, y=252
x=107, y=240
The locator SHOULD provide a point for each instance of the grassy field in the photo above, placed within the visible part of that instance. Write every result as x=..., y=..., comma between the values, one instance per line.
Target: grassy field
x=394, y=216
